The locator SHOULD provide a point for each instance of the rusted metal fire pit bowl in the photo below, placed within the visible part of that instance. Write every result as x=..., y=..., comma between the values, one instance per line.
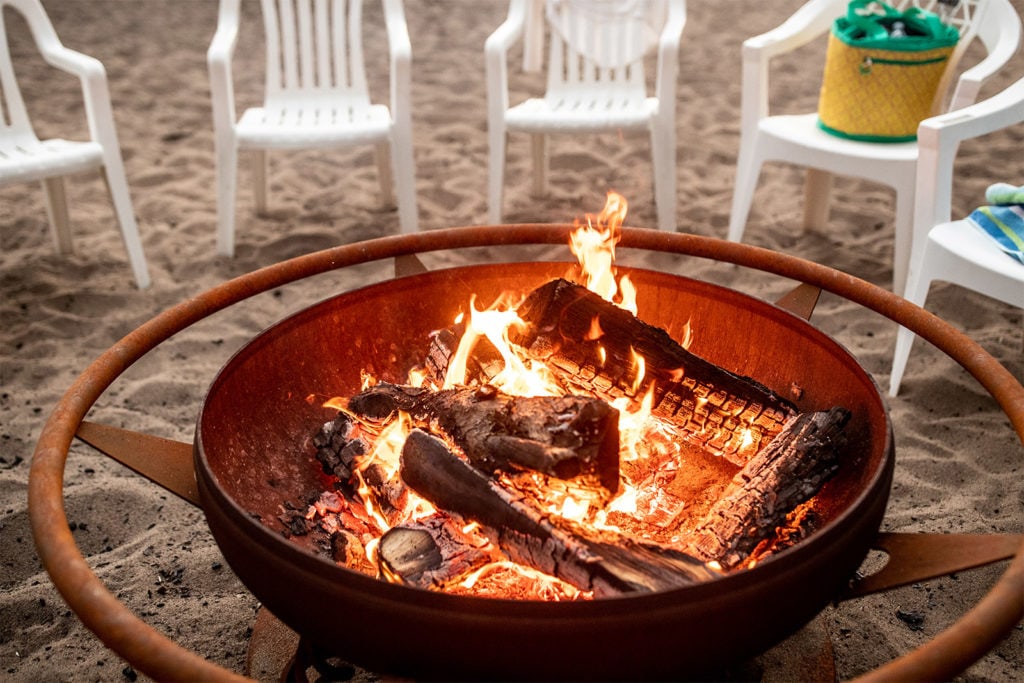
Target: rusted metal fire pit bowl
x=254, y=451
x=251, y=453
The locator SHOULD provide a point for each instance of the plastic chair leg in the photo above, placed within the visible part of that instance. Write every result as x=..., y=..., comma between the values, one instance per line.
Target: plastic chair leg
x=748, y=169
x=405, y=185
x=663, y=153
x=260, y=164
x=496, y=173
x=916, y=292
x=57, y=213
x=539, y=152
x=227, y=184
x=902, y=237
x=817, y=189
x=117, y=187
x=904, y=340
x=384, y=152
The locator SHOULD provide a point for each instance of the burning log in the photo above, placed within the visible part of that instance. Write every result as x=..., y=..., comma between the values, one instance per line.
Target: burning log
x=593, y=344
x=605, y=567
x=787, y=472
x=567, y=437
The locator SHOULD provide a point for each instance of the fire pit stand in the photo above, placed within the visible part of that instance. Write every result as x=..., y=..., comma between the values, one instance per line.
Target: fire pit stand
x=943, y=657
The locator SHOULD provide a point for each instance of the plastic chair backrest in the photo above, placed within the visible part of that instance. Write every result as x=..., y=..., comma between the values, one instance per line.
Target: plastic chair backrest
x=314, y=50
x=600, y=44
x=14, y=120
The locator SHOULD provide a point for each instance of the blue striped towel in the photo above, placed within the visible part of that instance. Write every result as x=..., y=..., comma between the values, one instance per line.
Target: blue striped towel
x=1005, y=224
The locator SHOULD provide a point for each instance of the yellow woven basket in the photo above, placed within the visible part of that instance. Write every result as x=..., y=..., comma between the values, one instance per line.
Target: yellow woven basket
x=877, y=86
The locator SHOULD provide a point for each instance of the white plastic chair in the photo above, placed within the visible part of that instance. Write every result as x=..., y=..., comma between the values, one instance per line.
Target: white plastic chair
x=316, y=96
x=595, y=82
x=797, y=139
x=26, y=158
x=957, y=251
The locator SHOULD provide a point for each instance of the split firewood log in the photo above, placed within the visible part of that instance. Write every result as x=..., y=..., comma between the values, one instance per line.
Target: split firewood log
x=787, y=472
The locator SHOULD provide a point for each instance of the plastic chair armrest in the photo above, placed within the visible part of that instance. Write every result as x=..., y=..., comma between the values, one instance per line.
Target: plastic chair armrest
x=938, y=139
x=400, y=49
x=668, y=57
x=95, y=93
x=971, y=80
x=999, y=111
x=810, y=21
x=510, y=30
x=496, y=57
x=218, y=61
x=73, y=62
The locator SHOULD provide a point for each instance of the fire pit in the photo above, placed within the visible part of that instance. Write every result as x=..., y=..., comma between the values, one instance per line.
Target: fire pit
x=253, y=453
x=256, y=413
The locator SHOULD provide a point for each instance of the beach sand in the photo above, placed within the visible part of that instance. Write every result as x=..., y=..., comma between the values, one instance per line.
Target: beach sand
x=959, y=465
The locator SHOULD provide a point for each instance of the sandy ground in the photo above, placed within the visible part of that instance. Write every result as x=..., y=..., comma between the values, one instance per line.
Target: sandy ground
x=958, y=466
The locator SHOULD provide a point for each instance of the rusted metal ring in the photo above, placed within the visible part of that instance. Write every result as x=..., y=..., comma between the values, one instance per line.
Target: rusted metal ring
x=947, y=654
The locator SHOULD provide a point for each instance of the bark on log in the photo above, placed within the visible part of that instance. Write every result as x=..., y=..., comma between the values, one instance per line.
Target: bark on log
x=568, y=437
x=787, y=472
x=591, y=342
x=605, y=566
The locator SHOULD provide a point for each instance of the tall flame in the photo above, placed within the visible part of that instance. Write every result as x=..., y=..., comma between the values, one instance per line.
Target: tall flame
x=518, y=377
x=593, y=242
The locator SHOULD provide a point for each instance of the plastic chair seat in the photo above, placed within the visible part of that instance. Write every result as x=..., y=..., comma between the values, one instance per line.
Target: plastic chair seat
x=962, y=252
x=828, y=151
x=299, y=127
x=27, y=161
x=583, y=112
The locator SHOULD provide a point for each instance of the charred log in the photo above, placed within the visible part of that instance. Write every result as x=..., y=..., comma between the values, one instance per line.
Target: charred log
x=336, y=450
x=605, y=566
x=592, y=342
x=568, y=437
x=433, y=552
x=787, y=472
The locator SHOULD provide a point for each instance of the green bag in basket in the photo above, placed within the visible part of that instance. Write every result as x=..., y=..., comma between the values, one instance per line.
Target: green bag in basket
x=882, y=71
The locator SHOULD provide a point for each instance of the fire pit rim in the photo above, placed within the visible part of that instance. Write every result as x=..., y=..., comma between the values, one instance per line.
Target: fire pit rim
x=161, y=657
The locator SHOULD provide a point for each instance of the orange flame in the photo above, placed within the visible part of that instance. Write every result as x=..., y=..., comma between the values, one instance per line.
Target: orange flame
x=518, y=377
x=594, y=246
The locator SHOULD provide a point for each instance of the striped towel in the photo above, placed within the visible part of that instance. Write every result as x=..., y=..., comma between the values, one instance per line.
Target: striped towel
x=1005, y=224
